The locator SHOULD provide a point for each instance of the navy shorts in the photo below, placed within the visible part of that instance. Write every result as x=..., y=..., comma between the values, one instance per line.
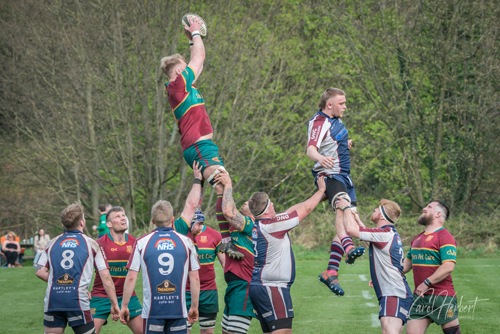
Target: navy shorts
x=271, y=303
x=62, y=318
x=165, y=326
x=395, y=307
x=336, y=183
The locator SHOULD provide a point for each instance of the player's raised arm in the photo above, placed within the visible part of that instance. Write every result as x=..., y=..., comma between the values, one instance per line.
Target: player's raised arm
x=305, y=208
x=198, y=48
x=233, y=216
x=194, y=195
x=350, y=224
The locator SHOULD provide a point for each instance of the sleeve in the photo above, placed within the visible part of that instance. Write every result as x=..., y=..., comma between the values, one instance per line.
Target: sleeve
x=181, y=226
x=218, y=242
x=316, y=132
x=44, y=259
x=375, y=234
x=37, y=241
x=188, y=75
x=408, y=256
x=100, y=262
x=281, y=224
x=448, y=248
x=134, y=262
x=247, y=229
x=194, y=264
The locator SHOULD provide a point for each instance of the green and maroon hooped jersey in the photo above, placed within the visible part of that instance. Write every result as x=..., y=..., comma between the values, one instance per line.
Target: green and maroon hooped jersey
x=117, y=256
x=428, y=251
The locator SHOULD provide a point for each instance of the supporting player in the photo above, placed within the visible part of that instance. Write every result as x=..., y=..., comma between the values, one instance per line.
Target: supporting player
x=207, y=242
x=166, y=258
x=433, y=255
x=274, y=269
x=117, y=247
x=238, y=310
x=67, y=265
x=386, y=258
x=192, y=119
x=328, y=146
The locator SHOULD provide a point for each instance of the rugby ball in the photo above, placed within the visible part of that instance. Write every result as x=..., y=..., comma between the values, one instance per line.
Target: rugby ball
x=185, y=23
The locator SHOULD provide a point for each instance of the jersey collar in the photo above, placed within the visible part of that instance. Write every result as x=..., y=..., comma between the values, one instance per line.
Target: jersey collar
x=109, y=235
x=73, y=231
x=163, y=228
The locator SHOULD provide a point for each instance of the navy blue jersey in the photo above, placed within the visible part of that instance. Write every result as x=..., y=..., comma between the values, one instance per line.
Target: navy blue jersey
x=386, y=261
x=274, y=261
x=165, y=257
x=330, y=136
x=70, y=258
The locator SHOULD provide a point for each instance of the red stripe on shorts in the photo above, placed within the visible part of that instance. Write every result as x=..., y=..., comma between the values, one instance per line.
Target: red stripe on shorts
x=278, y=304
x=391, y=306
x=88, y=316
x=199, y=154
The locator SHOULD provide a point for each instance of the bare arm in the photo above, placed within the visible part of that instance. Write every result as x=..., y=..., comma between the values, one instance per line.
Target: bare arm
x=440, y=274
x=313, y=154
x=128, y=289
x=198, y=48
x=109, y=287
x=194, y=281
x=350, y=224
x=42, y=273
x=407, y=266
x=194, y=195
x=305, y=208
x=233, y=216
x=222, y=259
x=18, y=247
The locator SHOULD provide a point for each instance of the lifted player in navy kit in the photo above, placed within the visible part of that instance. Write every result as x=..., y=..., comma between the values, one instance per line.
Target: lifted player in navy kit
x=166, y=258
x=67, y=265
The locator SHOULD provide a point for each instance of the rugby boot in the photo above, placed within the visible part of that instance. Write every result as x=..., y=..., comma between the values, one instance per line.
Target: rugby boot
x=332, y=282
x=232, y=251
x=353, y=254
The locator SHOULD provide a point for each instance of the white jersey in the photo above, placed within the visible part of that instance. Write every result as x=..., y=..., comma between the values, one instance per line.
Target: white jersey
x=386, y=261
x=70, y=258
x=274, y=261
x=165, y=257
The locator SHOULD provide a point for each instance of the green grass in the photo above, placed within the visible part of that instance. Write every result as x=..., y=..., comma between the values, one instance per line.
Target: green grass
x=316, y=309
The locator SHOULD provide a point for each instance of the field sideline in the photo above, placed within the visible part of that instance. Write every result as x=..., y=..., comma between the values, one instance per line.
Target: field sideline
x=316, y=309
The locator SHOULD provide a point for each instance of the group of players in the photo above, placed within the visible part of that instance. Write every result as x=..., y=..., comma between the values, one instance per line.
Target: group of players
x=177, y=258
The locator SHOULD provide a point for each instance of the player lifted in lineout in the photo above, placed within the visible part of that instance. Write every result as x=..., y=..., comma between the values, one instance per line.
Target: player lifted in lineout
x=328, y=146
x=195, y=128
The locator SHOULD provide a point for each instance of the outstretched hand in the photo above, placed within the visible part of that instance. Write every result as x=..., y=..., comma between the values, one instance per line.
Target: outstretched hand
x=342, y=203
x=197, y=170
x=194, y=24
x=223, y=178
x=321, y=184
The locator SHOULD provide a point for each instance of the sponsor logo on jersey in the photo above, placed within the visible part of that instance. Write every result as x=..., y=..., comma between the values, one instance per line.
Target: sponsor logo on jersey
x=204, y=239
x=129, y=248
x=69, y=243
x=282, y=217
x=254, y=233
x=314, y=134
x=451, y=252
x=429, y=238
x=165, y=244
x=65, y=279
x=165, y=287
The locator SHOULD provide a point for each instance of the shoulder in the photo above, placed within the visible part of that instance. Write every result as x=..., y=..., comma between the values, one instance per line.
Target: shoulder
x=131, y=238
x=446, y=236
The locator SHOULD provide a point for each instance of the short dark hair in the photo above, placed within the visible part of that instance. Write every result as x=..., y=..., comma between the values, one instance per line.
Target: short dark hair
x=443, y=208
x=257, y=203
x=114, y=209
x=102, y=207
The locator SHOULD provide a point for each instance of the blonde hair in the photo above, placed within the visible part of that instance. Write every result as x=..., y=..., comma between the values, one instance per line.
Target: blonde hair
x=257, y=203
x=162, y=213
x=71, y=216
x=327, y=94
x=13, y=234
x=168, y=63
x=391, y=208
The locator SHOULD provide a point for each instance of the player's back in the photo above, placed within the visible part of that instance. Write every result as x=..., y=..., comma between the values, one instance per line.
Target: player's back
x=165, y=258
x=71, y=263
x=274, y=259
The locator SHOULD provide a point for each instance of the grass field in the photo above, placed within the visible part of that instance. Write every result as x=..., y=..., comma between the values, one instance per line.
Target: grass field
x=316, y=309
